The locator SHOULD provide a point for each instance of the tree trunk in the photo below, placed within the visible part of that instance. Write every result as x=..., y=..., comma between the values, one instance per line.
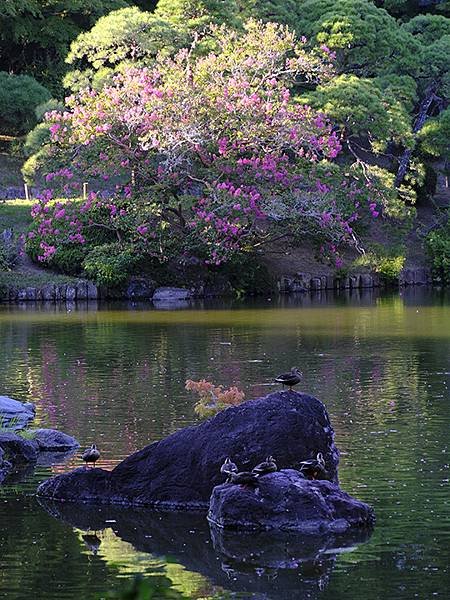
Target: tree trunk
x=422, y=116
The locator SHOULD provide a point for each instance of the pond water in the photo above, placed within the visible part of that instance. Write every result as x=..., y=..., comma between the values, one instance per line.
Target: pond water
x=115, y=375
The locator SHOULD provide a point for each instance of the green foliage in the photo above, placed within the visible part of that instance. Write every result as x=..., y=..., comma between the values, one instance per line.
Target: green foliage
x=197, y=14
x=118, y=39
x=36, y=138
x=364, y=109
x=387, y=262
x=278, y=11
x=437, y=244
x=434, y=137
x=247, y=276
x=8, y=250
x=367, y=40
x=35, y=34
x=19, y=97
x=110, y=264
x=428, y=28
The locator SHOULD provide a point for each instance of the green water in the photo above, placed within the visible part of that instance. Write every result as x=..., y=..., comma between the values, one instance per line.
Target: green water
x=115, y=375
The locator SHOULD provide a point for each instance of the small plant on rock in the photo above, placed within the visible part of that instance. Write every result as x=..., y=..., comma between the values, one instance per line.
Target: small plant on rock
x=213, y=398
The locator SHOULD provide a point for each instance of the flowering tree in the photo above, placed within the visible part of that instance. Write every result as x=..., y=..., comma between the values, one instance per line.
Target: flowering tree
x=212, y=153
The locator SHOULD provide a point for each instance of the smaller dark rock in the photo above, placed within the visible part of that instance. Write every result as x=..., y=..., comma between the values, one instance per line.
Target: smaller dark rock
x=139, y=288
x=80, y=485
x=15, y=414
x=53, y=440
x=286, y=501
x=18, y=449
x=171, y=294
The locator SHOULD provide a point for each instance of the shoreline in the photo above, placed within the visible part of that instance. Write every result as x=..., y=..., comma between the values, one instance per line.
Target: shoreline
x=140, y=289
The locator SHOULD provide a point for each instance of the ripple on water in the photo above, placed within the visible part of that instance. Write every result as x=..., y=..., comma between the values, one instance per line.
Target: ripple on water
x=117, y=378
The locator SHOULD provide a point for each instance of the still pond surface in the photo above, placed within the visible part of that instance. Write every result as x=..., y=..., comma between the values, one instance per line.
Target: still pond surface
x=115, y=375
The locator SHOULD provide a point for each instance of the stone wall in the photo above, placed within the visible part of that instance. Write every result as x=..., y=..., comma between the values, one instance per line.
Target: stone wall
x=79, y=290
x=305, y=282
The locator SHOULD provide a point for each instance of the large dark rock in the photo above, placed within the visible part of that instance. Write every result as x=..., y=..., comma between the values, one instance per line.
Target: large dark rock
x=17, y=449
x=181, y=470
x=287, y=501
x=15, y=414
x=51, y=440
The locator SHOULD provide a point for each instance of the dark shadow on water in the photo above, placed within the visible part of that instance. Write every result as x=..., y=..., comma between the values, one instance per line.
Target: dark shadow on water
x=263, y=562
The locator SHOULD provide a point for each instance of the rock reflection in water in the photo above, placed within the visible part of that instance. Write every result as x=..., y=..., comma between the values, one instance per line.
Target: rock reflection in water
x=263, y=562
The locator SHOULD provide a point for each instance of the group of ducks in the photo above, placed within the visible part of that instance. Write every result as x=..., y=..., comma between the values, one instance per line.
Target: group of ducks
x=312, y=468
x=291, y=378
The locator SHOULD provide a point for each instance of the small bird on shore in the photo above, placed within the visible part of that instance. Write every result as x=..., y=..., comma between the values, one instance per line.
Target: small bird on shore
x=91, y=455
x=291, y=378
x=228, y=468
x=314, y=468
x=266, y=466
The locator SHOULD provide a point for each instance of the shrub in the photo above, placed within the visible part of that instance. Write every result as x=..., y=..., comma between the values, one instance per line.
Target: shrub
x=8, y=250
x=110, y=264
x=36, y=138
x=19, y=97
x=438, y=247
x=213, y=398
x=387, y=262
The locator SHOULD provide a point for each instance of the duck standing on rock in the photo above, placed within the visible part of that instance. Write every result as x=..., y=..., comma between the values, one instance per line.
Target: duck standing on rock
x=314, y=468
x=91, y=455
x=291, y=378
x=266, y=466
x=228, y=468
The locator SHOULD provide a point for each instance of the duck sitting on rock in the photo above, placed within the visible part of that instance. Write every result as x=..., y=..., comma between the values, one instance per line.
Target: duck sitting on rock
x=91, y=455
x=266, y=466
x=291, y=378
x=228, y=468
x=314, y=468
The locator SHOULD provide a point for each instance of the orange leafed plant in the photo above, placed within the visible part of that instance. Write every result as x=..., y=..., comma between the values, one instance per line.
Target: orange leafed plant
x=213, y=398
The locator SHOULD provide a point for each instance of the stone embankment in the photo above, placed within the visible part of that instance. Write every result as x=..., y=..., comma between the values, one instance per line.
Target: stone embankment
x=51, y=292
x=166, y=297
x=305, y=282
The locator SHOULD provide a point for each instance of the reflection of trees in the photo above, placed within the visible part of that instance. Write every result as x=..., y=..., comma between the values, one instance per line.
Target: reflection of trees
x=118, y=378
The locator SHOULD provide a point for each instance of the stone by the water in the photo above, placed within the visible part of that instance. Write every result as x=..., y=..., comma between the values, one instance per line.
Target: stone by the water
x=18, y=449
x=181, y=470
x=286, y=501
x=51, y=440
x=15, y=414
x=41, y=446
x=171, y=294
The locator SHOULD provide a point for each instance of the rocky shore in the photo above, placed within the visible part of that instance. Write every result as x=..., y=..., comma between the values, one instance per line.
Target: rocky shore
x=21, y=446
x=141, y=288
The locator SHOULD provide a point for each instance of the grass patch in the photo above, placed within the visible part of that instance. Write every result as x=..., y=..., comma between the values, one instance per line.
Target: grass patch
x=15, y=215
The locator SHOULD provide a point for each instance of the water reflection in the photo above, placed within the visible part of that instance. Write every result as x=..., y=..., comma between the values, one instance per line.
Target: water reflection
x=115, y=375
x=261, y=562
